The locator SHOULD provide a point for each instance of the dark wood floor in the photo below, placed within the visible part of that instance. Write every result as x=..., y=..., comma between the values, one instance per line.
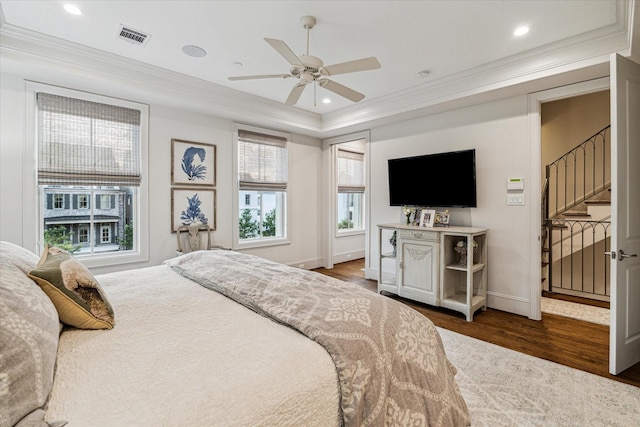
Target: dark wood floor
x=570, y=342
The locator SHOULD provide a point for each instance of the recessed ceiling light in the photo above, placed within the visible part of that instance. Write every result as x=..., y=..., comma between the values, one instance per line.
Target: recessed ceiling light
x=521, y=31
x=326, y=101
x=424, y=73
x=194, y=51
x=72, y=9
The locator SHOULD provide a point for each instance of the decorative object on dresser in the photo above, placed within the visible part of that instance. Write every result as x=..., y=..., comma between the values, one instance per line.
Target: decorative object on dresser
x=425, y=266
x=442, y=219
x=427, y=217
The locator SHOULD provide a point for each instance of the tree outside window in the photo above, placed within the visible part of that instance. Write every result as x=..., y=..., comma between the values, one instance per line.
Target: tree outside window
x=262, y=175
x=90, y=172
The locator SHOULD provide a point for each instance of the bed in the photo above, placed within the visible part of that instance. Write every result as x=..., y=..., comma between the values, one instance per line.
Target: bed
x=219, y=338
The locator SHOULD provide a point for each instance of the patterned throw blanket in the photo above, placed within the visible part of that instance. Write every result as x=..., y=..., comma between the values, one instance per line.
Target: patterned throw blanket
x=391, y=364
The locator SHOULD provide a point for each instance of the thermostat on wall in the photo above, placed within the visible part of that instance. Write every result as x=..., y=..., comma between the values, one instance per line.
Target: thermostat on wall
x=514, y=184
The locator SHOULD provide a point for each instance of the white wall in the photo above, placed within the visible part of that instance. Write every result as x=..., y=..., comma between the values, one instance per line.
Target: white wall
x=167, y=120
x=499, y=131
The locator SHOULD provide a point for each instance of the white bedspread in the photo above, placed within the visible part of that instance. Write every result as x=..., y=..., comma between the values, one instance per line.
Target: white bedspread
x=182, y=355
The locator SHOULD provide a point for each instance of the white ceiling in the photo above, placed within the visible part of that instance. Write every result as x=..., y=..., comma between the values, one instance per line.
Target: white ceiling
x=447, y=38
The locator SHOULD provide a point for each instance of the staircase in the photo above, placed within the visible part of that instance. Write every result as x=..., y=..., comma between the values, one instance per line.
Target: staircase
x=576, y=220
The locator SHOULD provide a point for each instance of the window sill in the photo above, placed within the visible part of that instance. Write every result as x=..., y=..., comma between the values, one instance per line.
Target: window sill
x=110, y=260
x=349, y=233
x=261, y=243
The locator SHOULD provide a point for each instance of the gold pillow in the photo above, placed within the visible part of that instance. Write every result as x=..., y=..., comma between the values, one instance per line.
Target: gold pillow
x=73, y=290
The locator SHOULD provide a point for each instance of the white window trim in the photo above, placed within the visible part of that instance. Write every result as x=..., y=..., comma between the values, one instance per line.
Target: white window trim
x=263, y=242
x=329, y=200
x=32, y=206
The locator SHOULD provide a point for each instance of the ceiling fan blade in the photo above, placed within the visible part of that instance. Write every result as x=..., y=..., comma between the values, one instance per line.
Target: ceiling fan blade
x=295, y=94
x=341, y=90
x=363, y=64
x=285, y=51
x=264, y=76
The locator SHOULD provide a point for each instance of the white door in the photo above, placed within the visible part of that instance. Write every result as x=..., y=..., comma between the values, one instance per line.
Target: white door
x=624, y=348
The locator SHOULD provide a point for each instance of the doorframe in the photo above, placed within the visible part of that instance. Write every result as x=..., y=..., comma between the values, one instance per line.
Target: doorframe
x=329, y=193
x=535, y=142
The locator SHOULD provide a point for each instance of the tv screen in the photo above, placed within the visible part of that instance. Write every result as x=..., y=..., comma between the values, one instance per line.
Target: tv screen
x=443, y=180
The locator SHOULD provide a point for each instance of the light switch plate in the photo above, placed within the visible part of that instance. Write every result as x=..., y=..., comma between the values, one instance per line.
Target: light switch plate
x=515, y=199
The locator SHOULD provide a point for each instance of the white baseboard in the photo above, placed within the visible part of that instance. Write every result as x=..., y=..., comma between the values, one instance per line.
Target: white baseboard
x=348, y=256
x=308, y=264
x=508, y=303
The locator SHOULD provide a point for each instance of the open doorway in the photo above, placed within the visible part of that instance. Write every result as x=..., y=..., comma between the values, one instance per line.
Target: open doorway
x=575, y=139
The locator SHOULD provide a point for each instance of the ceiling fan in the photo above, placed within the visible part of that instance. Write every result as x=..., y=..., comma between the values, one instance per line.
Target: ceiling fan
x=310, y=69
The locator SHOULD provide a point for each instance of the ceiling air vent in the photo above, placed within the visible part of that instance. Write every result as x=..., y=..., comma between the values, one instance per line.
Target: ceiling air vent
x=132, y=36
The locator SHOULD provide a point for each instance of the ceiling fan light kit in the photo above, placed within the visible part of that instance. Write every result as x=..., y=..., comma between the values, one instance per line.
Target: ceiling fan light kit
x=310, y=69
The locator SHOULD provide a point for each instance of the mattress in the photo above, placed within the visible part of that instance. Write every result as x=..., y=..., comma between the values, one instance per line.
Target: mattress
x=181, y=354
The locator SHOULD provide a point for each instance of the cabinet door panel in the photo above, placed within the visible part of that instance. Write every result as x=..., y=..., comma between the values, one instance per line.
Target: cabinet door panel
x=419, y=271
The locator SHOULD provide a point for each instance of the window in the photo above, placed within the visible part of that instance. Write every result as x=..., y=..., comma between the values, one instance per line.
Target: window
x=89, y=164
x=104, y=201
x=83, y=201
x=350, y=180
x=105, y=233
x=262, y=178
x=83, y=234
x=58, y=201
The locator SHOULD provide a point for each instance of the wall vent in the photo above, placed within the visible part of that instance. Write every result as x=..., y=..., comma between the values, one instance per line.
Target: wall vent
x=132, y=36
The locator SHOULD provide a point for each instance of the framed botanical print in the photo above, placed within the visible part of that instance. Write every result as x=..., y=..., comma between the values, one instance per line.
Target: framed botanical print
x=193, y=163
x=193, y=205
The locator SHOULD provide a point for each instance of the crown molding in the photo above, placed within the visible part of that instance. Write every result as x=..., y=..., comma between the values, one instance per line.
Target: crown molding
x=33, y=55
x=587, y=51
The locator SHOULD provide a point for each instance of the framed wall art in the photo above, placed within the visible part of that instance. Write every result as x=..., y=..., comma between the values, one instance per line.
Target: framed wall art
x=192, y=205
x=193, y=163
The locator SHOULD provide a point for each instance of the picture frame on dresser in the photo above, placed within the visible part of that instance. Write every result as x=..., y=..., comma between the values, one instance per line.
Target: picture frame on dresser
x=427, y=217
x=416, y=217
x=193, y=163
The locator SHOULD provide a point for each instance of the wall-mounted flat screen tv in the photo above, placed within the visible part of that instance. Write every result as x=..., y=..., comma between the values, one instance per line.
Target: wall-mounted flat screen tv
x=442, y=180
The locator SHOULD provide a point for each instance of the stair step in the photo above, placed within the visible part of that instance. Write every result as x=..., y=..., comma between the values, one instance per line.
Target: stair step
x=576, y=213
x=558, y=227
x=598, y=202
x=544, y=263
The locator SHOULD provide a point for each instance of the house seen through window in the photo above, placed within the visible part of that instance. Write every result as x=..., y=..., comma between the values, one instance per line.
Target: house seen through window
x=89, y=172
x=262, y=177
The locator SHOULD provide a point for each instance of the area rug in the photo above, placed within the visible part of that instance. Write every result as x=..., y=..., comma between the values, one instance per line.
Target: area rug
x=505, y=388
x=576, y=311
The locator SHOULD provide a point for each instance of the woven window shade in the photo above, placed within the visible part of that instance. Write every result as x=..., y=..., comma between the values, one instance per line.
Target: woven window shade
x=262, y=161
x=350, y=172
x=87, y=143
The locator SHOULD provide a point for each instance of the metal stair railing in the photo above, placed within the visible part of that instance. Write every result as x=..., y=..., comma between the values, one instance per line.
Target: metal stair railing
x=581, y=173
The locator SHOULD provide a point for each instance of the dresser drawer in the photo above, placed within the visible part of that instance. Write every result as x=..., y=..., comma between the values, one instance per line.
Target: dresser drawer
x=431, y=236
